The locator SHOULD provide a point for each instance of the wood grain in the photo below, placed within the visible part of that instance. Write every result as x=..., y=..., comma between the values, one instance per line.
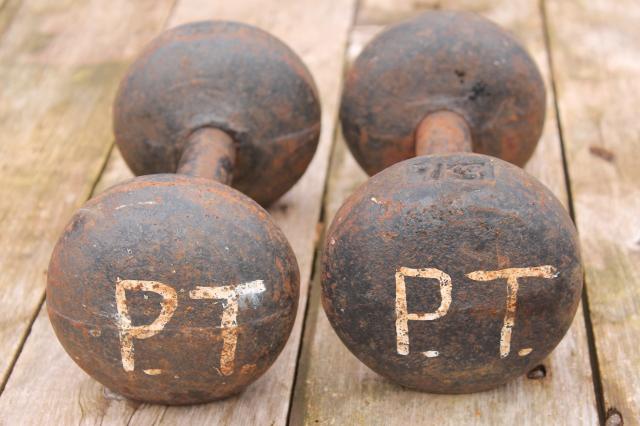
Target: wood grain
x=58, y=76
x=595, y=52
x=333, y=387
x=56, y=391
x=8, y=9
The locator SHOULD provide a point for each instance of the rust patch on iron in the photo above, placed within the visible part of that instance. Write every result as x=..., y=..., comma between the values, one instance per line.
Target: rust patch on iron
x=186, y=291
x=416, y=260
x=442, y=61
x=228, y=76
x=489, y=280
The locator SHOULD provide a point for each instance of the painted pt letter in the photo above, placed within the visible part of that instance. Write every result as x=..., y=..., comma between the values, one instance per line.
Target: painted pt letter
x=127, y=331
x=229, y=325
x=512, y=275
x=403, y=317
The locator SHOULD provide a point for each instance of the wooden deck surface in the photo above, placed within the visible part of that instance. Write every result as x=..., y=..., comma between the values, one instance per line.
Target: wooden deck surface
x=60, y=62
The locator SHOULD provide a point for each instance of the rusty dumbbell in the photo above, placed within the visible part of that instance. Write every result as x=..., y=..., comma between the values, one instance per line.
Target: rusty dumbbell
x=453, y=271
x=177, y=288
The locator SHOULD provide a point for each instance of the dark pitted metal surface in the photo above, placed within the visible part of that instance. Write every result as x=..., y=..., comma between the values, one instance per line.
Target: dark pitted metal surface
x=437, y=61
x=173, y=289
x=228, y=76
x=451, y=273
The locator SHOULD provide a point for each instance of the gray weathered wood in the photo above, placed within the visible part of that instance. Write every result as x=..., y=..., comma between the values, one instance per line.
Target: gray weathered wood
x=8, y=9
x=59, y=64
x=595, y=49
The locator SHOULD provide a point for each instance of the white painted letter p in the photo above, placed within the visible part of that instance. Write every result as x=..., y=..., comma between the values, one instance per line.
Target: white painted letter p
x=403, y=317
x=127, y=331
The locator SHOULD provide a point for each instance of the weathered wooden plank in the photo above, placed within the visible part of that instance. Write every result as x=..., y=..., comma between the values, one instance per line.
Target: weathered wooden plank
x=333, y=387
x=59, y=63
x=595, y=52
x=57, y=391
x=8, y=9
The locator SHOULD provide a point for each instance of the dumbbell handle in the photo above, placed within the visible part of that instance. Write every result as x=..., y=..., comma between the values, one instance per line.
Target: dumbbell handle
x=209, y=153
x=443, y=132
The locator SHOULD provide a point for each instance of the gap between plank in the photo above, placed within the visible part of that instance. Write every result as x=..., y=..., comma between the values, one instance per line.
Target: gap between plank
x=96, y=180
x=18, y=351
x=91, y=193
x=317, y=252
x=593, y=354
x=36, y=311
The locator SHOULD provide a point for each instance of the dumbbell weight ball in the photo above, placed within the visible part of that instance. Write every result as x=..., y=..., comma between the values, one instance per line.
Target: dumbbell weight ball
x=177, y=288
x=453, y=271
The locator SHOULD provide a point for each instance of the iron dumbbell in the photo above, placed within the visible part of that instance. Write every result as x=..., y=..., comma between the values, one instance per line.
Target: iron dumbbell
x=453, y=271
x=177, y=288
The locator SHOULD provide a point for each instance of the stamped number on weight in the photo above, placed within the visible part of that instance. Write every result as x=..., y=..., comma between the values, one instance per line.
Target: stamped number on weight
x=465, y=170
